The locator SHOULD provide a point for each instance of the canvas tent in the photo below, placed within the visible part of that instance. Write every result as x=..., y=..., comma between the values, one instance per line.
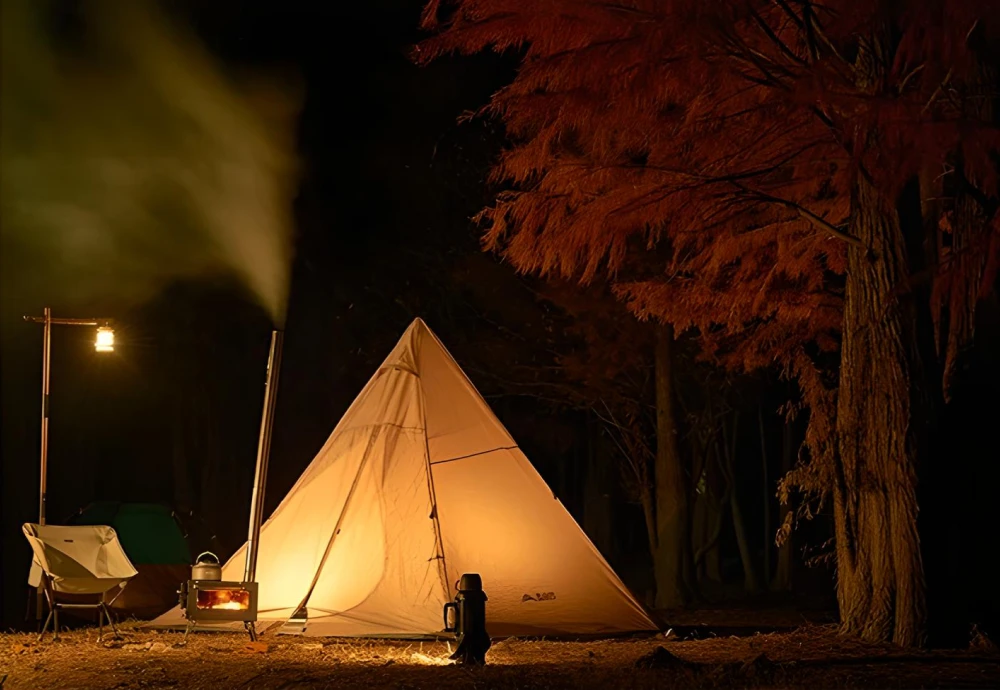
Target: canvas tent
x=419, y=483
x=156, y=545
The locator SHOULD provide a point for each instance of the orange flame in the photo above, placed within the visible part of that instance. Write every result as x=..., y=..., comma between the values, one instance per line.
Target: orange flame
x=228, y=599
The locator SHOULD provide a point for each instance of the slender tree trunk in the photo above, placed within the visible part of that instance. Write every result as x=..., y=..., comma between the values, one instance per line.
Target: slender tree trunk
x=713, y=560
x=714, y=513
x=750, y=582
x=965, y=264
x=717, y=495
x=596, y=503
x=768, y=495
x=880, y=578
x=783, y=574
x=671, y=557
x=699, y=531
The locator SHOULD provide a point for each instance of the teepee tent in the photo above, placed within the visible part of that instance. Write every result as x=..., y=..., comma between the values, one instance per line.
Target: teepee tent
x=419, y=483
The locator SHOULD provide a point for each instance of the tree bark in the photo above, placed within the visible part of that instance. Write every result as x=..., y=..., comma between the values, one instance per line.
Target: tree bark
x=880, y=577
x=671, y=557
x=880, y=582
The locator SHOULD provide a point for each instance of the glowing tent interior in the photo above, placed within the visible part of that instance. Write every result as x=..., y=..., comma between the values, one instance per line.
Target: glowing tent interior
x=419, y=483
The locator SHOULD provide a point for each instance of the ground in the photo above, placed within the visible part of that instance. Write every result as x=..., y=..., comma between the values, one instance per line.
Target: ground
x=813, y=656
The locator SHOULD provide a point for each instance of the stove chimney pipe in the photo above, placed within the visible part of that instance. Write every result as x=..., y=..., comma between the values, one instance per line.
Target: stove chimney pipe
x=263, y=454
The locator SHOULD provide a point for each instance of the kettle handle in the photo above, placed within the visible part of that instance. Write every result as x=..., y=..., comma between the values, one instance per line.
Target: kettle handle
x=450, y=605
x=207, y=553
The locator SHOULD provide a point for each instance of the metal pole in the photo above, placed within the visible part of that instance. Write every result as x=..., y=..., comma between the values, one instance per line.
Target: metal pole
x=44, y=463
x=46, y=352
x=263, y=455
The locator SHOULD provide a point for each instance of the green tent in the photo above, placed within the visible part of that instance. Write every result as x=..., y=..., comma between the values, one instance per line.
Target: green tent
x=148, y=532
x=156, y=544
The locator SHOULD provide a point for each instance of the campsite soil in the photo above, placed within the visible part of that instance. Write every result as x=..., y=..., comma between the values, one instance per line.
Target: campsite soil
x=813, y=656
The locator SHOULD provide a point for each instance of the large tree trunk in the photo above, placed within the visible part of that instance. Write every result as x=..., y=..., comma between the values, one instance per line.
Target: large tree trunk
x=880, y=578
x=880, y=582
x=671, y=558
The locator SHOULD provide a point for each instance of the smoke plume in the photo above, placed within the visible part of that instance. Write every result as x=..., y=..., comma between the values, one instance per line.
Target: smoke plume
x=129, y=160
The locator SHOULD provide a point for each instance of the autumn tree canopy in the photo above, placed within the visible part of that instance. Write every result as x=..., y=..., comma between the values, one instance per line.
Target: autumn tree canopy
x=722, y=138
x=741, y=168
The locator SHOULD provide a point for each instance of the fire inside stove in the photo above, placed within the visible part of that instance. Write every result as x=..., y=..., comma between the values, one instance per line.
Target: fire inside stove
x=224, y=599
x=213, y=600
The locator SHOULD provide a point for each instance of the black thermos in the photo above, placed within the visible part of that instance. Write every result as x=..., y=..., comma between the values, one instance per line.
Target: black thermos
x=470, y=621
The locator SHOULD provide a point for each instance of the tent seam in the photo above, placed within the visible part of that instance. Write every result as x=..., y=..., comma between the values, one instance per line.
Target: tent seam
x=433, y=495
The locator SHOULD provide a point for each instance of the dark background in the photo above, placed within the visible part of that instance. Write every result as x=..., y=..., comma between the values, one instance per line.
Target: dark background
x=383, y=234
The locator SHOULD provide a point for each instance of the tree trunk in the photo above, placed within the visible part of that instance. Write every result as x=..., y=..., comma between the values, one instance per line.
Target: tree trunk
x=880, y=585
x=699, y=531
x=783, y=574
x=768, y=495
x=671, y=557
x=596, y=503
x=713, y=560
x=880, y=579
x=714, y=499
x=964, y=266
x=750, y=582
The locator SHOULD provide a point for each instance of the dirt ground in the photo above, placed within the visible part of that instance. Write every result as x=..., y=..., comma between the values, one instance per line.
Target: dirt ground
x=813, y=656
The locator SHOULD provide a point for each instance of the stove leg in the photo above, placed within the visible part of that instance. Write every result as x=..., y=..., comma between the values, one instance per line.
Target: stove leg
x=187, y=629
x=252, y=629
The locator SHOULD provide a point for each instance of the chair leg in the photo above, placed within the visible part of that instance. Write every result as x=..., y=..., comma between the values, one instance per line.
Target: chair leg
x=100, y=623
x=111, y=621
x=55, y=617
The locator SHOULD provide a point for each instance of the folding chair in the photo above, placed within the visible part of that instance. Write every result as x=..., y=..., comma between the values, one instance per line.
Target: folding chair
x=83, y=559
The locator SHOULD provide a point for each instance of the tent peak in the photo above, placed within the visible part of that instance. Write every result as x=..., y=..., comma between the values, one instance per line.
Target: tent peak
x=419, y=323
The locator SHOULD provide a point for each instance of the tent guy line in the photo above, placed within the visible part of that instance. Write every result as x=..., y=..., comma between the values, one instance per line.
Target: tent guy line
x=473, y=455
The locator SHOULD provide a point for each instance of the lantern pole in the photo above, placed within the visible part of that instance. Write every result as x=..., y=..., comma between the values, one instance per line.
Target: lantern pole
x=103, y=344
x=44, y=464
x=263, y=455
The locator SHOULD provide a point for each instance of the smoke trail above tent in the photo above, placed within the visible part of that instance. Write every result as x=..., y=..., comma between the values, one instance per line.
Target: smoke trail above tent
x=129, y=160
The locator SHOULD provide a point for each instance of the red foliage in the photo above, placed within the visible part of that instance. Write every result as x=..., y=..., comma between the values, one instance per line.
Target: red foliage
x=701, y=154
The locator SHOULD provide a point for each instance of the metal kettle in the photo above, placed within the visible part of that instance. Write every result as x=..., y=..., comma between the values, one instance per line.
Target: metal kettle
x=206, y=567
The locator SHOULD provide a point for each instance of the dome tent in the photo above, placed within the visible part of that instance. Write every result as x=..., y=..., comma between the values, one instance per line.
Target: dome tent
x=157, y=545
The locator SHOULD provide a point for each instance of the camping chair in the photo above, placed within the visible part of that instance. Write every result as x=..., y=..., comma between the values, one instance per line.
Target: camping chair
x=83, y=559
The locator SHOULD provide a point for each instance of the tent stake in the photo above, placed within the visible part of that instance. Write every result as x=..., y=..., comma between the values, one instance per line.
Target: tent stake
x=263, y=454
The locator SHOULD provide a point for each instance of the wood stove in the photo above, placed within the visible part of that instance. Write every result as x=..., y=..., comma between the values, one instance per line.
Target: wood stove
x=212, y=600
x=209, y=601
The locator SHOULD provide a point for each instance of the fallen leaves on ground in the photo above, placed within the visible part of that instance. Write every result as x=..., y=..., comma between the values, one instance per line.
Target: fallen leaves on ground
x=813, y=656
